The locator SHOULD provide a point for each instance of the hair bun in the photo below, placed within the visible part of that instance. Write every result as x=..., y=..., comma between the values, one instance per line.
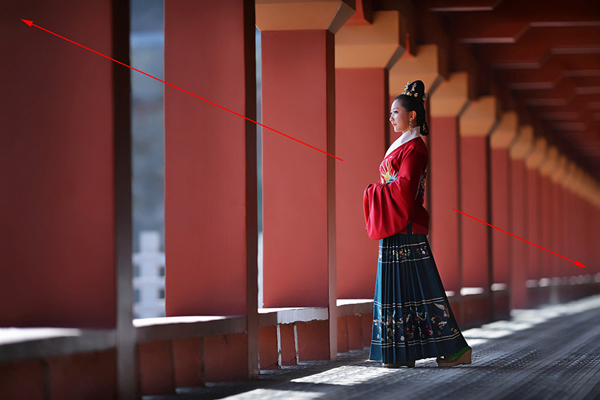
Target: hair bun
x=415, y=90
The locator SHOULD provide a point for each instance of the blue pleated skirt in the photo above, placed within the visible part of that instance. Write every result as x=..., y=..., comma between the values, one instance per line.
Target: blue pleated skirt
x=412, y=318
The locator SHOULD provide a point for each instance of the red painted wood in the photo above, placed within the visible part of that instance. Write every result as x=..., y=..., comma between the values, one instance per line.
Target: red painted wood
x=476, y=310
x=205, y=237
x=519, y=249
x=80, y=376
x=23, y=381
x=546, y=227
x=444, y=193
x=56, y=169
x=456, y=304
x=342, y=335
x=187, y=362
x=361, y=122
x=363, y=14
x=297, y=70
x=366, y=321
x=572, y=229
x=355, y=339
x=512, y=20
x=563, y=210
x=534, y=218
x=500, y=199
x=462, y=5
x=156, y=368
x=536, y=43
x=267, y=344
x=474, y=201
x=553, y=240
x=313, y=340
x=225, y=358
x=502, y=305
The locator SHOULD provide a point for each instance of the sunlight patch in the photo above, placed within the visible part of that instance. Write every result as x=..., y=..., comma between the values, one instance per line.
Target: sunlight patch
x=348, y=375
x=276, y=394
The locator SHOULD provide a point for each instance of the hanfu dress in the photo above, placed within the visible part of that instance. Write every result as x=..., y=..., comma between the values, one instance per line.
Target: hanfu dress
x=412, y=318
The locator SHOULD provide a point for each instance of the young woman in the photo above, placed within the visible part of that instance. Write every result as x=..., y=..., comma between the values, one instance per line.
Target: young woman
x=412, y=318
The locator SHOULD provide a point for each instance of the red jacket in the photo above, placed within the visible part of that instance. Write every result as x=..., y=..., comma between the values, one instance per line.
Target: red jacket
x=391, y=204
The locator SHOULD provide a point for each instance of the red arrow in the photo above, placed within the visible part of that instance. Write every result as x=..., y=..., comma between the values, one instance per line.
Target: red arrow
x=30, y=23
x=577, y=263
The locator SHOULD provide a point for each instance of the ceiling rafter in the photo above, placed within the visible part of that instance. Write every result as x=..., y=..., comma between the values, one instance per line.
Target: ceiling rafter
x=540, y=58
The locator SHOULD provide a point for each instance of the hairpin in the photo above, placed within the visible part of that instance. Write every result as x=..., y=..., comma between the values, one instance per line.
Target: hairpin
x=412, y=92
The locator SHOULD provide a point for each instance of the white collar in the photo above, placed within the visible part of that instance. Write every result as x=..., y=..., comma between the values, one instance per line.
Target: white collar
x=407, y=136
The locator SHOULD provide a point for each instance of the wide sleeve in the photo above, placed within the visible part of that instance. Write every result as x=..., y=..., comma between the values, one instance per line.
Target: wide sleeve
x=390, y=207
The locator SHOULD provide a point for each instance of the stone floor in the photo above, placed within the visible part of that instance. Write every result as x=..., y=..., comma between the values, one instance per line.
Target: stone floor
x=548, y=353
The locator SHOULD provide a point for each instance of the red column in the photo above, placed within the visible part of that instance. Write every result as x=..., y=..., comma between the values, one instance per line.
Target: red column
x=519, y=251
x=500, y=199
x=533, y=215
x=500, y=213
x=205, y=156
x=210, y=170
x=532, y=209
x=299, y=216
x=443, y=171
x=501, y=139
x=475, y=237
x=558, y=220
x=547, y=222
x=297, y=71
x=474, y=175
x=65, y=119
x=574, y=230
x=545, y=226
x=570, y=232
x=361, y=122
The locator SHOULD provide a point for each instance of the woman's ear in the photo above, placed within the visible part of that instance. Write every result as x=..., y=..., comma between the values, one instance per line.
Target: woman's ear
x=412, y=116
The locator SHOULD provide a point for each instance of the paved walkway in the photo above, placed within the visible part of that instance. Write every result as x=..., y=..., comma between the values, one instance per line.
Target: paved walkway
x=549, y=353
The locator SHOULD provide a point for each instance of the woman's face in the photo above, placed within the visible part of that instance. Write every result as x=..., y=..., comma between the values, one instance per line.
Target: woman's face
x=400, y=118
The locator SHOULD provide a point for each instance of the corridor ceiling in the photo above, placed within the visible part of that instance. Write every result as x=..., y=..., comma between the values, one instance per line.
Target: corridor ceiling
x=541, y=58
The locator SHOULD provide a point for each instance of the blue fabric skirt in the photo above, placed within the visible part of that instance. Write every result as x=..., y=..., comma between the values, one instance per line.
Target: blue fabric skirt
x=412, y=318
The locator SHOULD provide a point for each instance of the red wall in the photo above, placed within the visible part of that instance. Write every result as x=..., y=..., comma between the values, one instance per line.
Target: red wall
x=56, y=208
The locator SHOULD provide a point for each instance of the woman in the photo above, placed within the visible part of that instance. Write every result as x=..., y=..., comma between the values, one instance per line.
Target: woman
x=412, y=318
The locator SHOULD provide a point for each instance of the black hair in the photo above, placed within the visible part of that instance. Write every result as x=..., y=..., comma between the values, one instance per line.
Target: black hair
x=413, y=99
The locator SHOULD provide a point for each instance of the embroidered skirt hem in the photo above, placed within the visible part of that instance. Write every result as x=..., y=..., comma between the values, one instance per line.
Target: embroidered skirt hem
x=412, y=318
